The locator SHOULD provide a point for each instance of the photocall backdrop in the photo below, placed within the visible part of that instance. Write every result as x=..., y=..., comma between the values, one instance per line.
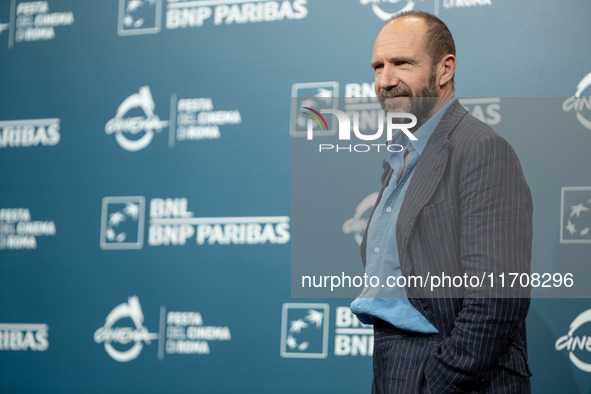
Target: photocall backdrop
x=145, y=212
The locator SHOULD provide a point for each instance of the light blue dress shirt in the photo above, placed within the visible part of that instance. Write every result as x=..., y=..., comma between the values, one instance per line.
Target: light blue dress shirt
x=390, y=303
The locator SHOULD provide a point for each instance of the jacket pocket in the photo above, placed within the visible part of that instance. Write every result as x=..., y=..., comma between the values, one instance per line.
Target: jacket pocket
x=434, y=210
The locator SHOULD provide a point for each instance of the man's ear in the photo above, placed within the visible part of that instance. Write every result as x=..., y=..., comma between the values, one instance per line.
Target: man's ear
x=446, y=69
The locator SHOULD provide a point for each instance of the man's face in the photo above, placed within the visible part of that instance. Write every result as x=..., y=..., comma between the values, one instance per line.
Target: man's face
x=403, y=69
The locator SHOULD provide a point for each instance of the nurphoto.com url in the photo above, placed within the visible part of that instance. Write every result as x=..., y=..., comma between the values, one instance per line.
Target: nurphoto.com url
x=442, y=280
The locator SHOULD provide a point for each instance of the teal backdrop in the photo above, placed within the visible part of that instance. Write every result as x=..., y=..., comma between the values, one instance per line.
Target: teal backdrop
x=146, y=202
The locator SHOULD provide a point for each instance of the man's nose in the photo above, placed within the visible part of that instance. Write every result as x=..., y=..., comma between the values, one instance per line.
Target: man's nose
x=388, y=78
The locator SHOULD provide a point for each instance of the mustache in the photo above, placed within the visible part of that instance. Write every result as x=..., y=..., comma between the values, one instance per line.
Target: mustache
x=398, y=91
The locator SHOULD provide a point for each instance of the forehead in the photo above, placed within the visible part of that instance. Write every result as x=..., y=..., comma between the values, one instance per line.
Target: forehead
x=405, y=36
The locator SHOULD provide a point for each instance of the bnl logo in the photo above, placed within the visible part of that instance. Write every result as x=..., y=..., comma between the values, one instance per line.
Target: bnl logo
x=139, y=17
x=122, y=222
x=575, y=215
x=314, y=95
x=304, y=330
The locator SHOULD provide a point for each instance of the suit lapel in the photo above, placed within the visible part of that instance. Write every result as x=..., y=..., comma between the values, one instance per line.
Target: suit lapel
x=426, y=177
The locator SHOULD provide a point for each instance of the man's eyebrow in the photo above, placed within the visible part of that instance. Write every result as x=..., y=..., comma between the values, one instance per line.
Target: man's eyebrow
x=393, y=59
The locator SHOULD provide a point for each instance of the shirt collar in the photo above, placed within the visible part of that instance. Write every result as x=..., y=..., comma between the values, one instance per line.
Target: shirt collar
x=426, y=130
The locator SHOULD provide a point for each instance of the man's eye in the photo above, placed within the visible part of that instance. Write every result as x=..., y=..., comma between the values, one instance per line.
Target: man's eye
x=401, y=63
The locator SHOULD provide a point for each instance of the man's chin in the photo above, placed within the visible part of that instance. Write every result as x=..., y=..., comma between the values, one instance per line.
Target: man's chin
x=396, y=104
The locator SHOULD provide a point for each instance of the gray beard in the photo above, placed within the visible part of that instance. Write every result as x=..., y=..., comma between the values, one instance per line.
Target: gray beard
x=421, y=105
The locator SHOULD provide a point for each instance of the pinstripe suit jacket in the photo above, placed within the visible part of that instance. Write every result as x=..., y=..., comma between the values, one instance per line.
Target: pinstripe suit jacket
x=468, y=210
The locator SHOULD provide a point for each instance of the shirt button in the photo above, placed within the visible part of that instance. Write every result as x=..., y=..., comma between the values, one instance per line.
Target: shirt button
x=389, y=209
x=377, y=250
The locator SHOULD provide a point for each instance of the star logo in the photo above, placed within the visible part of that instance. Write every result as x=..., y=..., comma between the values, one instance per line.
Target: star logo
x=575, y=217
x=122, y=222
x=139, y=17
x=312, y=95
x=304, y=331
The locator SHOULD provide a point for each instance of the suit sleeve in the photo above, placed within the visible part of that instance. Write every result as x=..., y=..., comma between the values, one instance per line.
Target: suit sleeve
x=496, y=233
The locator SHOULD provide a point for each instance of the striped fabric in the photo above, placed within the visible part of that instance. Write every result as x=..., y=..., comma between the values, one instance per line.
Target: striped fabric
x=468, y=210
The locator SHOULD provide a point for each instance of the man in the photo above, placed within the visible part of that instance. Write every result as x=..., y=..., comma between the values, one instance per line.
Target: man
x=454, y=203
